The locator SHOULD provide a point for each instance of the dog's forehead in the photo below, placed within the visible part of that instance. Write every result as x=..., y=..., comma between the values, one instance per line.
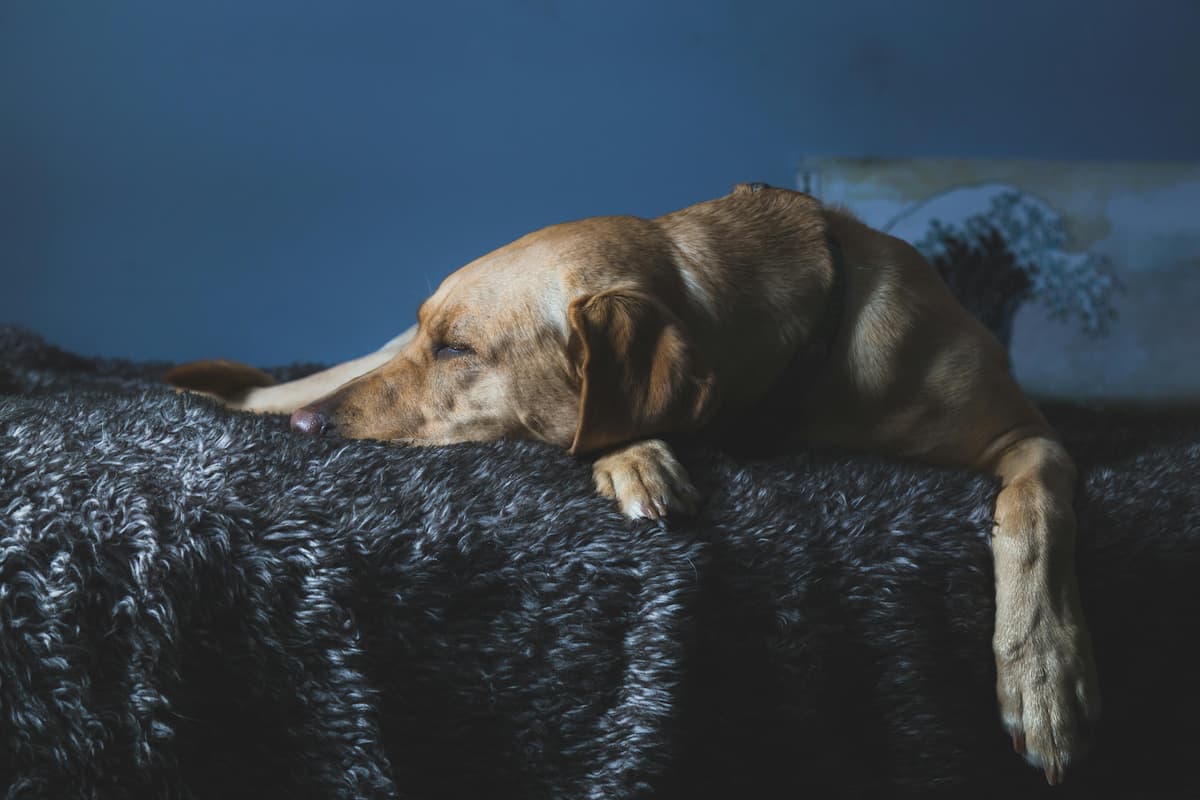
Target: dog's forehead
x=531, y=281
x=521, y=283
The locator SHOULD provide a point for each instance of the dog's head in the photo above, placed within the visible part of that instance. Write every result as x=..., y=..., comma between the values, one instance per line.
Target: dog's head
x=565, y=336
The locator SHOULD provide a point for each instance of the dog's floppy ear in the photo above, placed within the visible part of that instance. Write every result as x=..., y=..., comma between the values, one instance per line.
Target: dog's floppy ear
x=228, y=380
x=641, y=374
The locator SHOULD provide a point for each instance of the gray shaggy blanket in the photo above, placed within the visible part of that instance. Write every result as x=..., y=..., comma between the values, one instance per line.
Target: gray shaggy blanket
x=198, y=603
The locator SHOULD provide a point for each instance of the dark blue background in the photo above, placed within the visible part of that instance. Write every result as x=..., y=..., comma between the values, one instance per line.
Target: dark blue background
x=275, y=180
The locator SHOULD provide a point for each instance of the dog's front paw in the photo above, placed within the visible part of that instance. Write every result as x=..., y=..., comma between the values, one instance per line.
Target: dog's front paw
x=1048, y=692
x=646, y=480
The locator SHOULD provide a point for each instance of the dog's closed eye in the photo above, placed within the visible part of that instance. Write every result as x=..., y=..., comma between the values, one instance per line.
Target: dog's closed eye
x=446, y=351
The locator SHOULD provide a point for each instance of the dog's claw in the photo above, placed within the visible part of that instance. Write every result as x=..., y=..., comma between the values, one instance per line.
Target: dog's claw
x=1052, y=765
x=646, y=481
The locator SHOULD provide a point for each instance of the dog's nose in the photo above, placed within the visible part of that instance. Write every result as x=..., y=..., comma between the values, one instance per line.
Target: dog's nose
x=305, y=420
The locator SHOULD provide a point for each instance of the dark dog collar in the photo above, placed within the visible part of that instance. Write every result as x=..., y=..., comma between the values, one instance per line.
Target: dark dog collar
x=825, y=334
x=770, y=424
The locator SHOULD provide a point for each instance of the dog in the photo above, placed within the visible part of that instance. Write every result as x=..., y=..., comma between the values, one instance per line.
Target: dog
x=604, y=335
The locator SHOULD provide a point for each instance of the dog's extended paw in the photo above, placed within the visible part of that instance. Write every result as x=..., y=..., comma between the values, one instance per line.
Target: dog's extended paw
x=646, y=480
x=1048, y=692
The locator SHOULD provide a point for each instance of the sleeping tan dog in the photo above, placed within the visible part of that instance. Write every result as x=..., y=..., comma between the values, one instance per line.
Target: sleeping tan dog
x=601, y=335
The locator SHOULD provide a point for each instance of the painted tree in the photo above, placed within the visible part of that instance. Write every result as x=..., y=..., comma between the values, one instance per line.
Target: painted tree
x=1014, y=252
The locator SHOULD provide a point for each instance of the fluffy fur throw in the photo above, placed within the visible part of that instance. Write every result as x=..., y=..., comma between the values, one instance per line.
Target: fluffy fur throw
x=198, y=603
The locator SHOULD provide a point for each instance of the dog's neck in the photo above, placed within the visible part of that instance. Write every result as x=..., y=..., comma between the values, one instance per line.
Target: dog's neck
x=813, y=354
x=762, y=286
x=770, y=425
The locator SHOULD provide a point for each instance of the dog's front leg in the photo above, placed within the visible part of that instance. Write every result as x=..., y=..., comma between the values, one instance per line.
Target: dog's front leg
x=1046, y=676
x=646, y=480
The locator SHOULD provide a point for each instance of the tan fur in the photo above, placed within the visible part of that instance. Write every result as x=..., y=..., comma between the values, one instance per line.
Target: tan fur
x=598, y=335
x=248, y=389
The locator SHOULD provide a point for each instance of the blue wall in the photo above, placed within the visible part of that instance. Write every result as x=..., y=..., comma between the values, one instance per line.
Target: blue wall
x=279, y=180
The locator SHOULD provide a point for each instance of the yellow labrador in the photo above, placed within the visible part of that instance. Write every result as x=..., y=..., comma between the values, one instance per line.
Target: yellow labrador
x=601, y=335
